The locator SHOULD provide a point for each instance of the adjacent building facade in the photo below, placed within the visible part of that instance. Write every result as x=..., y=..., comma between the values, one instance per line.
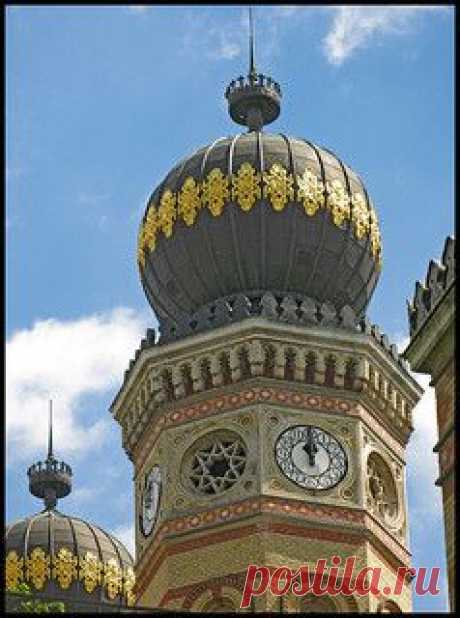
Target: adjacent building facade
x=432, y=350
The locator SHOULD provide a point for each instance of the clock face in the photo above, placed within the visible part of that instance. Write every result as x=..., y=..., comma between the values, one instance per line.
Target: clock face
x=311, y=457
x=150, y=500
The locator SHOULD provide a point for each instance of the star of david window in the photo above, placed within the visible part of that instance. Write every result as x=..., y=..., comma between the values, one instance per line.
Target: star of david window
x=217, y=462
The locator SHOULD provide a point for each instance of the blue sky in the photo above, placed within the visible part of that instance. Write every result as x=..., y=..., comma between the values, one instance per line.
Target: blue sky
x=100, y=103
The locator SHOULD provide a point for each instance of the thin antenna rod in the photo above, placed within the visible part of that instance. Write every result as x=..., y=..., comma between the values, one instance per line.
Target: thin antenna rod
x=50, y=436
x=252, y=68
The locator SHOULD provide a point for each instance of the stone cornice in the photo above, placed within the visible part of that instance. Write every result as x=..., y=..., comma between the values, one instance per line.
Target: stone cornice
x=372, y=342
x=425, y=352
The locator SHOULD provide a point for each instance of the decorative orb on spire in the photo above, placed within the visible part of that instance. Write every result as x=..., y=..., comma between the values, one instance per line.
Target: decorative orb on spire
x=254, y=101
x=50, y=479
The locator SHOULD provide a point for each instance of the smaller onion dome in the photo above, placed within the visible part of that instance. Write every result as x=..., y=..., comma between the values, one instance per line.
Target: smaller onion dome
x=65, y=558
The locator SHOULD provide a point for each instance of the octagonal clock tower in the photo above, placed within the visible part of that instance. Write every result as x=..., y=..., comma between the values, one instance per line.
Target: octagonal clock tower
x=267, y=422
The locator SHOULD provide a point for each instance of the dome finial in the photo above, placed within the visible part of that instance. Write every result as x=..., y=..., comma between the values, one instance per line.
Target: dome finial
x=254, y=101
x=50, y=435
x=252, y=67
x=50, y=479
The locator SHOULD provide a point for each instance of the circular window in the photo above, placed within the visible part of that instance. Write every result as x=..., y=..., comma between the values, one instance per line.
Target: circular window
x=215, y=462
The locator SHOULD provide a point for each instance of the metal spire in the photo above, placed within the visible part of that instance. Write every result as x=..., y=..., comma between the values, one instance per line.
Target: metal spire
x=255, y=100
x=252, y=67
x=50, y=435
x=50, y=479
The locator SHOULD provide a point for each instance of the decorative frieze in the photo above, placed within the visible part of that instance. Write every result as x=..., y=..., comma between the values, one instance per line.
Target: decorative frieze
x=276, y=185
x=65, y=568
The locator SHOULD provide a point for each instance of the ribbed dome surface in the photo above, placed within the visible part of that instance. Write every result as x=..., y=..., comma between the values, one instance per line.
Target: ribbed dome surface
x=68, y=558
x=258, y=212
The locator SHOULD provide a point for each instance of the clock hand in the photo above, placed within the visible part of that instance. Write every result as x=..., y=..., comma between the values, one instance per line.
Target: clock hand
x=310, y=447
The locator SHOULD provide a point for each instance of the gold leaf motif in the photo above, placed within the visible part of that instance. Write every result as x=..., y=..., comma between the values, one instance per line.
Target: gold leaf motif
x=140, y=247
x=167, y=213
x=215, y=191
x=14, y=573
x=360, y=215
x=338, y=201
x=38, y=567
x=128, y=587
x=310, y=192
x=112, y=578
x=151, y=226
x=246, y=187
x=279, y=186
x=64, y=567
x=189, y=201
x=376, y=244
x=90, y=571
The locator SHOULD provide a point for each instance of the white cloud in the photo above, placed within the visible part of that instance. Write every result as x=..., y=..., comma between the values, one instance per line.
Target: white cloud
x=354, y=27
x=125, y=534
x=65, y=360
x=422, y=463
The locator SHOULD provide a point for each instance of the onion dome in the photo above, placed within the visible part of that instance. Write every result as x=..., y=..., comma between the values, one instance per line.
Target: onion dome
x=257, y=213
x=64, y=558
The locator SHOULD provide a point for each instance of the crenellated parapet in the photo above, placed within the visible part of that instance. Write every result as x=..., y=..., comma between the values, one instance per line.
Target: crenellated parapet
x=439, y=279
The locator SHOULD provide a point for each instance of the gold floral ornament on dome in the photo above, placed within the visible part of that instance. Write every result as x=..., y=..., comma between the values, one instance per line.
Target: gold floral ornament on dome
x=64, y=567
x=14, y=573
x=189, y=201
x=360, y=215
x=338, y=201
x=278, y=186
x=140, y=246
x=112, y=578
x=151, y=226
x=128, y=586
x=38, y=568
x=310, y=192
x=246, y=187
x=167, y=213
x=90, y=571
x=376, y=244
x=215, y=191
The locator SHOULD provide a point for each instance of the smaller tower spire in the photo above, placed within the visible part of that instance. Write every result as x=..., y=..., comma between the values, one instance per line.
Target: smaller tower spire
x=50, y=435
x=253, y=101
x=252, y=66
x=50, y=479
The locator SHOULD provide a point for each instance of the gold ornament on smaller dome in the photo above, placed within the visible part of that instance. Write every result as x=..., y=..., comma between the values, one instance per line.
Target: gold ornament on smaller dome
x=112, y=578
x=90, y=572
x=189, y=201
x=310, y=192
x=128, y=586
x=38, y=567
x=338, y=201
x=360, y=215
x=64, y=567
x=167, y=213
x=13, y=570
x=246, y=187
x=279, y=186
x=215, y=191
